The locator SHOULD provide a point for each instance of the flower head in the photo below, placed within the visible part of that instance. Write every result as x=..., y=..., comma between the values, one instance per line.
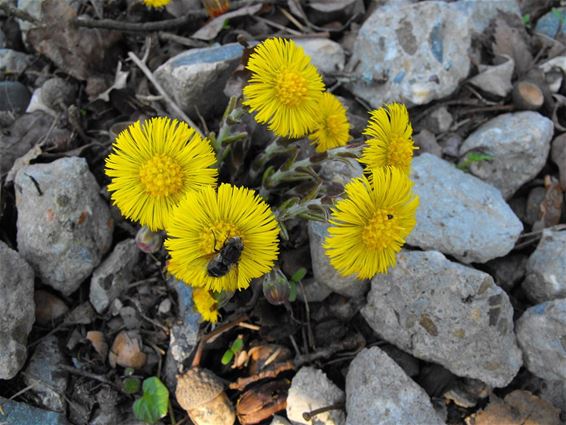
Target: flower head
x=284, y=88
x=222, y=240
x=156, y=3
x=205, y=304
x=333, y=128
x=390, y=143
x=370, y=225
x=153, y=165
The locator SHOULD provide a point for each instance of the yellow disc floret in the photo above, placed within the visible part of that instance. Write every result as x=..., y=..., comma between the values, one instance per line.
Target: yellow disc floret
x=161, y=176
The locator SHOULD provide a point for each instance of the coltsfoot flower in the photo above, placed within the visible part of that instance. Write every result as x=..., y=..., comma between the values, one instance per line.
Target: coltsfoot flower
x=205, y=304
x=153, y=165
x=390, y=143
x=284, y=89
x=156, y=3
x=369, y=226
x=221, y=240
x=333, y=128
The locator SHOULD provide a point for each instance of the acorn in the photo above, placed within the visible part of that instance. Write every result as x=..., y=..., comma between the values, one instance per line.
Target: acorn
x=201, y=393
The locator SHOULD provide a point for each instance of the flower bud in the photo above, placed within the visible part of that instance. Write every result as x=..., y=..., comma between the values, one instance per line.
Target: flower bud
x=276, y=287
x=148, y=241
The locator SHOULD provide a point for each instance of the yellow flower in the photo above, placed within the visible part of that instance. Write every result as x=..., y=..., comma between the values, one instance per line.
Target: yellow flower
x=222, y=240
x=153, y=165
x=333, y=128
x=369, y=226
x=390, y=142
x=284, y=88
x=156, y=3
x=205, y=304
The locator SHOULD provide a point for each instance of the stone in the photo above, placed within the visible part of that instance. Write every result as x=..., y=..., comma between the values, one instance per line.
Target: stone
x=378, y=392
x=312, y=291
x=18, y=310
x=519, y=143
x=508, y=271
x=412, y=53
x=48, y=307
x=541, y=336
x=310, y=390
x=33, y=8
x=112, y=277
x=340, y=171
x=323, y=271
x=558, y=155
x=23, y=414
x=482, y=12
x=327, y=55
x=444, y=312
x=49, y=383
x=532, y=209
x=459, y=214
x=439, y=121
x=195, y=79
x=64, y=226
x=278, y=420
x=426, y=142
x=546, y=268
x=554, y=392
x=13, y=62
x=14, y=97
x=552, y=23
x=495, y=79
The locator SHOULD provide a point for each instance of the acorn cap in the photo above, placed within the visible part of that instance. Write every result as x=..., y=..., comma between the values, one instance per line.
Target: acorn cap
x=196, y=387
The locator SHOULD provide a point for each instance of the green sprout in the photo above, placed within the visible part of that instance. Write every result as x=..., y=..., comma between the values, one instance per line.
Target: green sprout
x=234, y=349
x=154, y=403
x=472, y=157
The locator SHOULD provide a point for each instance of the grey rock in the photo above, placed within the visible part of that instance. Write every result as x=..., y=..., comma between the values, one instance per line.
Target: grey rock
x=310, y=390
x=278, y=420
x=558, y=155
x=24, y=414
x=495, y=79
x=327, y=55
x=378, y=392
x=64, y=226
x=519, y=143
x=426, y=142
x=112, y=277
x=49, y=383
x=552, y=23
x=546, y=268
x=412, y=53
x=482, y=12
x=532, y=209
x=57, y=93
x=195, y=79
x=541, y=336
x=509, y=270
x=13, y=62
x=323, y=271
x=451, y=145
x=439, y=120
x=554, y=392
x=323, y=11
x=408, y=363
x=459, y=214
x=18, y=310
x=33, y=8
x=447, y=313
x=14, y=96
x=312, y=291
x=340, y=171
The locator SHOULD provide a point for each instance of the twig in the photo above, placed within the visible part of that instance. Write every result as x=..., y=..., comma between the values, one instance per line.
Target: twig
x=17, y=13
x=162, y=92
x=183, y=41
x=88, y=375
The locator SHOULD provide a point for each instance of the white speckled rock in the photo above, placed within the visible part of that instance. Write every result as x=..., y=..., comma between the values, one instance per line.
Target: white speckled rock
x=546, y=268
x=541, y=332
x=310, y=390
x=459, y=214
x=447, y=313
x=64, y=226
x=327, y=55
x=411, y=53
x=379, y=393
x=196, y=78
x=519, y=143
x=18, y=310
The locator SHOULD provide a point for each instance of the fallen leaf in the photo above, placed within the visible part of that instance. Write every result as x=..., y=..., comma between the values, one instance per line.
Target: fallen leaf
x=212, y=28
x=510, y=39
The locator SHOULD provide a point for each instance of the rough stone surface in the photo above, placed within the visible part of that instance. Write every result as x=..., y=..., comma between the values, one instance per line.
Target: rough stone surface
x=196, y=78
x=310, y=390
x=278, y=420
x=14, y=97
x=551, y=24
x=312, y=291
x=323, y=271
x=509, y=270
x=447, y=313
x=411, y=53
x=341, y=172
x=546, y=268
x=379, y=393
x=459, y=214
x=519, y=143
x=558, y=155
x=541, y=333
x=49, y=383
x=112, y=277
x=13, y=62
x=64, y=226
x=24, y=414
x=482, y=12
x=18, y=310
x=327, y=55
x=532, y=208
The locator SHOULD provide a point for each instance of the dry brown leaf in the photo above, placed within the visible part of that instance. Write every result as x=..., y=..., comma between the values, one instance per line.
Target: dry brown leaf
x=212, y=28
x=550, y=208
x=510, y=38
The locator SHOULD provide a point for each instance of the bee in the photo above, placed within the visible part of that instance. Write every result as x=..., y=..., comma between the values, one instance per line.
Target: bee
x=228, y=255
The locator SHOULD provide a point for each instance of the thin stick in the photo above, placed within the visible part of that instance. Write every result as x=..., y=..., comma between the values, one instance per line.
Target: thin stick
x=180, y=114
x=88, y=375
x=17, y=13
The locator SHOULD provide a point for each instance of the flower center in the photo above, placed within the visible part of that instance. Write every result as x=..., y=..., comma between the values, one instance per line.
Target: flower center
x=333, y=124
x=161, y=176
x=291, y=88
x=213, y=238
x=400, y=152
x=380, y=231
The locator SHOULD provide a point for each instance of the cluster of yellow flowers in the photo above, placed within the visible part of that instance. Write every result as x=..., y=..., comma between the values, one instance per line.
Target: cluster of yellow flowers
x=164, y=176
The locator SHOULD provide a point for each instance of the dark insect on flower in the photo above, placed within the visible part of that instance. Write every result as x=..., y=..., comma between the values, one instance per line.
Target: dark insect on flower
x=228, y=255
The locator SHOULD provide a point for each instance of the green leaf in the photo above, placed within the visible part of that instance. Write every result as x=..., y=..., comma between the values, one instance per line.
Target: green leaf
x=237, y=345
x=527, y=20
x=293, y=291
x=472, y=157
x=227, y=357
x=299, y=275
x=153, y=404
x=131, y=385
